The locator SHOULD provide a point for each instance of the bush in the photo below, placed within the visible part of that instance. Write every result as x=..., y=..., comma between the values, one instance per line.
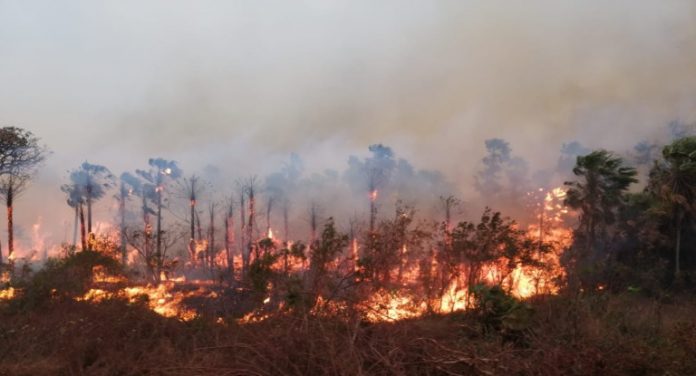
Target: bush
x=64, y=278
x=502, y=313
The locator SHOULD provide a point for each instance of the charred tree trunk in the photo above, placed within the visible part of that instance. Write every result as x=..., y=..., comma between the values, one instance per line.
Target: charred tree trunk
x=211, y=239
x=192, y=239
x=242, y=234
x=75, y=224
x=269, y=208
x=286, y=222
x=122, y=210
x=313, y=225
x=199, y=227
x=373, y=209
x=89, y=210
x=286, y=236
x=229, y=241
x=9, y=198
x=147, y=234
x=250, y=224
x=158, y=250
x=83, y=233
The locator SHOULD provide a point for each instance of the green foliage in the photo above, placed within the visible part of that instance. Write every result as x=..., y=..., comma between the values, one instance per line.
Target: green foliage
x=261, y=272
x=673, y=184
x=500, y=312
x=598, y=194
x=493, y=238
x=331, y=244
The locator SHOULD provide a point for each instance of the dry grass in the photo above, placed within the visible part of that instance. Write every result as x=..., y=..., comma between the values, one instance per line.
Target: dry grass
x=603, y=334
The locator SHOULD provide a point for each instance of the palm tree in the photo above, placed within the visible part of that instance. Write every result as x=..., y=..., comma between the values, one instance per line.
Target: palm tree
x=673, y=182
x=92, y=182
x=75, y=201
x=602, y=181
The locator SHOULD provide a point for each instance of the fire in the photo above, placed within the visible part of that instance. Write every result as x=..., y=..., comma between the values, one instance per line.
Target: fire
x=454, y=299
x=392, y=306
x=373, y=195
x=8, y=293
x=270, y=234
x=164, y=299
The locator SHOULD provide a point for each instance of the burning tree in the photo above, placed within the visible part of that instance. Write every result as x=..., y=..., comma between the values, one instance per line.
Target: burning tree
x=20, y=156
x=90, y=182
x=129, y=185
x=161, y=173
x=192, y=188
x=489, y=251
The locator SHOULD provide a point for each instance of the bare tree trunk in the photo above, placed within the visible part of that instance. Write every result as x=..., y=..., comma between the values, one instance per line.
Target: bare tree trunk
x=10, y=222
x=269, y=208
x=286, y=222
x=373, y=208
x=75, y=224
x=229, y=242
x=89, y=211
x=286, y=235
x=211, y=237
x=83, y=234
x=122, y=210
x=242, y=234
x=192, y=240
x=147, y=233
x=313, y=225
x=252, y=219
x=158, y=250
x=199, y=227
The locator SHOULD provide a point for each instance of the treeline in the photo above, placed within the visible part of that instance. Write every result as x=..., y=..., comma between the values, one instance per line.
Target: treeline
x=634, y=239
x=624, y=238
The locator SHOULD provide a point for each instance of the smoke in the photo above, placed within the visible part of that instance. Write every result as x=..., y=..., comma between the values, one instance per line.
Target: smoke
x=240, y=85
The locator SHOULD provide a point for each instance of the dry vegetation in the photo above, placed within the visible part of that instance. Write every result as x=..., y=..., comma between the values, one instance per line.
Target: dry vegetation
x=600, y=334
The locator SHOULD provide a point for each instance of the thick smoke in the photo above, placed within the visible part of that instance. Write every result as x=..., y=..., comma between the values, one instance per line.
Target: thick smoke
x=241, y=85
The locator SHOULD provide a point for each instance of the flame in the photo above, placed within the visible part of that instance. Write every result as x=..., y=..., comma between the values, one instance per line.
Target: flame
x=373, y=195
x=162, y=299
x=8, y=293
x=270, y=234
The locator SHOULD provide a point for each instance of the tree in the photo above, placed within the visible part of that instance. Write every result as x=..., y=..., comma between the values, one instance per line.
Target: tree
x=495, y=241
x=74, y=200
x=20, y=156
x=504, y=177
x=373, y=174
x=130, y=185
x=193, y=187
x=330, y=245
x=673, y=181
x=92, y=181
x=603, y=180
x=160, y=174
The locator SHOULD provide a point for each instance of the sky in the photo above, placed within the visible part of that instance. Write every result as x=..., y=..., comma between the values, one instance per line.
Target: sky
x=241, y=84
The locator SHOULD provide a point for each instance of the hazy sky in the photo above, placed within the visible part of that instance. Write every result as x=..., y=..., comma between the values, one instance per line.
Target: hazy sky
x=240, y=84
